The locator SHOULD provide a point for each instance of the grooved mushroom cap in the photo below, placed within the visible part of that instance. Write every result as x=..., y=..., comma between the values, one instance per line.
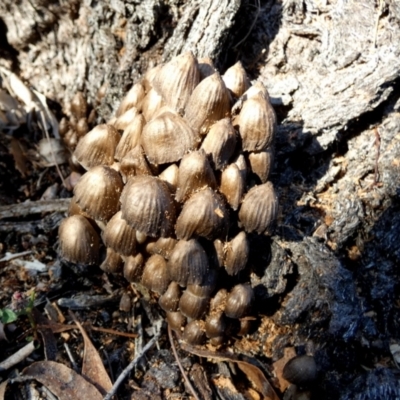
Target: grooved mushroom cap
x=131, y=137
x=239, y=301
x=236, y=79
x=208, y=103
x=98, y=192
x=155, y=274
x=97, y=147
x=237, y=253
x=169, y=301
x=194, y=332
x=147, y=206
x=177, y=79
x=256, y=123
x=259, y=209
x=79, y=242
x=188, y=263
x=167, y=138
x=233, y=185
x=220, y=143
x=133, y=98
x=261, y=163
x=193, y=306
x=120, y=236
x=204, y=214
x=194, y=173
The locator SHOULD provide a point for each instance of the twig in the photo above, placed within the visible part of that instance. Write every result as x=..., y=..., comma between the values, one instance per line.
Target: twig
x=188, y=383
x=17, y=357
x=12, y=256
x=129, y=368
x=34, y=207
x=71, y=358
x=378, y=152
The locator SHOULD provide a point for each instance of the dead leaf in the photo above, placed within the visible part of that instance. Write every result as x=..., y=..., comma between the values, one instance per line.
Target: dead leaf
x=278, y=366
x=253, y=373
x=62, y=381
x=92, y=366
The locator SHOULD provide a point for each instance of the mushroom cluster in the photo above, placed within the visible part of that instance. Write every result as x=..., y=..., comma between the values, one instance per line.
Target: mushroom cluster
x=176, y=189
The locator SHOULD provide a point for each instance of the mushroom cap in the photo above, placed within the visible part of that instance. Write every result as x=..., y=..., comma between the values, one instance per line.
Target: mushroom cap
x=79, y=242
x=147, y=206
x=98, y=192
x=97, y=147
x=259, y=209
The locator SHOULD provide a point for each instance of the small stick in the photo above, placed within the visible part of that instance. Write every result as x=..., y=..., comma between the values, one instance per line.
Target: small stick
x=378, y=152
x=129, y=368
x=188, y=383
x=11, y=256
x=71, y=358
x=380, y=9
x=34, y=207
x=17, y=357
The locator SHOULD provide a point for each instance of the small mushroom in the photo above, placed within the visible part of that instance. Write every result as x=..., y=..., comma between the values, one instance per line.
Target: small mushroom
x=79, y=242
x=147, y=206
x=98, y=191
x=300, y=370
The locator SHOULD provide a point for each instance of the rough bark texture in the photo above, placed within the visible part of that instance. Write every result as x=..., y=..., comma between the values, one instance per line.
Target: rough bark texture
x=333, y=72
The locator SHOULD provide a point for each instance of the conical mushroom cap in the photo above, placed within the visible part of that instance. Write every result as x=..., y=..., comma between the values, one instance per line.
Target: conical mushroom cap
x=236, y=79
x=220, y=143
x=133, y=98
x=204, y=214
x=236, y=254
x=167, y=138
x=79, y=242
x=152, y=102
x=98, y=192
x=188, y=263
x=239, y=301
x=120, y=236
x=256, y=123
x=147, y=206
x=131, y=137
x=97, y=147
x=194, y=173
x=155, y=274
x=124, y=120
x=261, y=163
x=134, y=163
x=208, y=103
x=259, y=209
x=177, y=79
x=232, y=185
